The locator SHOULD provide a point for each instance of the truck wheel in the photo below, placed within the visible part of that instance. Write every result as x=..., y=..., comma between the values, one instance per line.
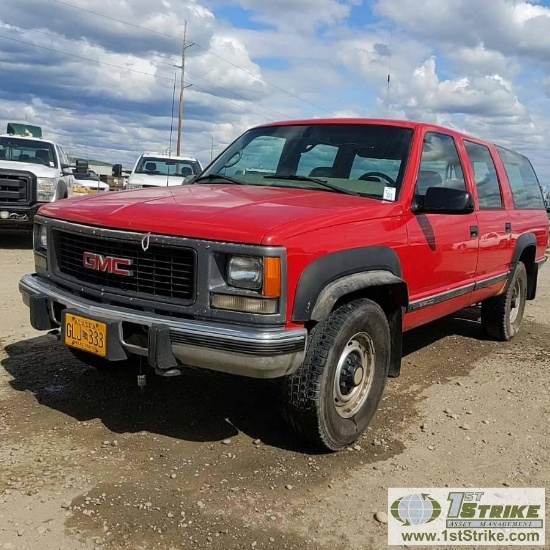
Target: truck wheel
x=102, y=364
x=333, y=396
x=501, y=316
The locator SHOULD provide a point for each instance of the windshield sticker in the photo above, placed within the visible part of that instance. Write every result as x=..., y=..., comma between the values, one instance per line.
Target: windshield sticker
x=389, y=194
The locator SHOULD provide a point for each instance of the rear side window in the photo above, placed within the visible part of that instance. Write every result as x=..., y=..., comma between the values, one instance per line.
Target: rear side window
x=485, y=175
x=526, y=191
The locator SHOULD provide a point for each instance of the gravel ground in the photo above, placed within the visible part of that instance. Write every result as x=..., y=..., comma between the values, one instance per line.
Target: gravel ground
x=205, y=461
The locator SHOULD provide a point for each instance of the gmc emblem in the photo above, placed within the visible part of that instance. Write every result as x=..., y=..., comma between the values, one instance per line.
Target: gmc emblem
x=108, y=264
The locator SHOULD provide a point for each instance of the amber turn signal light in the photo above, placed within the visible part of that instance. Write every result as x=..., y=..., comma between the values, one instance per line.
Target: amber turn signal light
x=272, y=277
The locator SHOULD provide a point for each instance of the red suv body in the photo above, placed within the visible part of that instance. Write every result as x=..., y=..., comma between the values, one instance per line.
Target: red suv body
x=303, y=251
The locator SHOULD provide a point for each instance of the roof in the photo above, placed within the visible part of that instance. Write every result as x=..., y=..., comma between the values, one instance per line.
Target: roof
x=11, y=136
x=413, y=124
x=164, y=156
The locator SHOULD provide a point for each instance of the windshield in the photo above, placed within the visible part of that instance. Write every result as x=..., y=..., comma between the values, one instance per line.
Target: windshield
x=27, y=150
x=167, y=167
x=358, y=158
x=90, y=176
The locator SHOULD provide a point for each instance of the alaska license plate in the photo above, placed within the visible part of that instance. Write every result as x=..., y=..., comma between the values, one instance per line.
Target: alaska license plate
x=85, y=334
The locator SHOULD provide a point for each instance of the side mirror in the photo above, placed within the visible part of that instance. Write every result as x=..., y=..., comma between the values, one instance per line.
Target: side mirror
x=446, y=200
x=81, y=167
x=66, y=170
x=117, y=170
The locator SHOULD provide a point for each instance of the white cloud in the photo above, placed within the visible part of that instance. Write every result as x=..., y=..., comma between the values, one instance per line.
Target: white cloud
x=304, y=15
x=480, y=66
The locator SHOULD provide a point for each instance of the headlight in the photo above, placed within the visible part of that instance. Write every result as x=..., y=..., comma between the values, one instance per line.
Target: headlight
x=134, y=186
x=46, y=189
x=245, y=272
x=40, y=237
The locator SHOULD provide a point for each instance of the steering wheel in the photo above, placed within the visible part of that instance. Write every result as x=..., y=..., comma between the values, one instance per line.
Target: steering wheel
x=234, y=159
x=390, y=180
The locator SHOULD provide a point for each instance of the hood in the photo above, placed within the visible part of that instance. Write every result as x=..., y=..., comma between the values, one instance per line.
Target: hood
x=39, y=170
x=236, y=213
x=154, y=180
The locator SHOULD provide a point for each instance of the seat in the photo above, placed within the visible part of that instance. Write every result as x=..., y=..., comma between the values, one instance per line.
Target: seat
x=186, y=171
x=151, y=166
x=426, y=179
x=322, y=171
x=23, y=157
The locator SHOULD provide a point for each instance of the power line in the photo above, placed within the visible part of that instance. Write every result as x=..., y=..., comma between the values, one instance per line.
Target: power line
x=156, y=62
x=112, y=65
x=198, y=46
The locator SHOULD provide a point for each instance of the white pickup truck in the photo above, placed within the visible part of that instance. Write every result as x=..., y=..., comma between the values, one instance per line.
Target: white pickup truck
x=33, y=171
x=160, y=170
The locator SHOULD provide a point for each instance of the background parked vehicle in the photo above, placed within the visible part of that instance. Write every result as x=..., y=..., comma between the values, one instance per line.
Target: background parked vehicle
x=157, y=170
x=85, y=184
x=33, y=171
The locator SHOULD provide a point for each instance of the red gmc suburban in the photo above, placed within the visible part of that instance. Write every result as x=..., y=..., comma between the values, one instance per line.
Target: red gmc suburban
x=303, y=251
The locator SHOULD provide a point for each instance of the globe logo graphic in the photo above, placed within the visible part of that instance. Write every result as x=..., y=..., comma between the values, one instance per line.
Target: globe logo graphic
x=415, y=509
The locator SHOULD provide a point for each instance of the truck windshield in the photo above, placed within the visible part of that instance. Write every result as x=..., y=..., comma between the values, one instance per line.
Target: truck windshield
x=363, y=159
x=167, y=167
x=27, y=151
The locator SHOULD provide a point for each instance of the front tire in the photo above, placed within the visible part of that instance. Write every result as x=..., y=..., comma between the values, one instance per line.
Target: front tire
x=331, y=399
x=501, y=316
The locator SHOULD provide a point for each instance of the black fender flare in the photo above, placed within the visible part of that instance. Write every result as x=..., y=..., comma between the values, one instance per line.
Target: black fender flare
x=524, y=241
x=337, y=266
x=350, y=284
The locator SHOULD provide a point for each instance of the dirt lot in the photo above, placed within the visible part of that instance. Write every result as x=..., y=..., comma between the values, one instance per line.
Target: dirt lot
x=202, y=461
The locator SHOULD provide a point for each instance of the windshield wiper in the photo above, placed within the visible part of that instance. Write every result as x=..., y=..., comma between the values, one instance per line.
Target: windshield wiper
x=322, y=183
x=214, y=177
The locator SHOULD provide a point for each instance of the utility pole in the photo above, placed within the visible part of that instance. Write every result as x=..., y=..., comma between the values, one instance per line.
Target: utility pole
x=182, y=85
x=212, y=149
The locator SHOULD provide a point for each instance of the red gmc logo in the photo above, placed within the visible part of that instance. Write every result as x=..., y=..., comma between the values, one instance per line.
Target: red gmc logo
x=108, y=264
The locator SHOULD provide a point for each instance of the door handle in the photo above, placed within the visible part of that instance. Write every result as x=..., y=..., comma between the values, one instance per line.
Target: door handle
x=473, y=230
x=508, y=227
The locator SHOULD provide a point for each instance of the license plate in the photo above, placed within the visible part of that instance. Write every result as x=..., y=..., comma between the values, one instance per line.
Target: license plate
x=86, y=334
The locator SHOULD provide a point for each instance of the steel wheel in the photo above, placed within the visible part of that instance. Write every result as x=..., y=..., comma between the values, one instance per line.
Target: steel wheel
x=354, y=375
x=515, y=301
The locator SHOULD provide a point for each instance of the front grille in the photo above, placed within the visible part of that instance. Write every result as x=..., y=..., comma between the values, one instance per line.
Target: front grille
x=163, y=272
x=14, y=189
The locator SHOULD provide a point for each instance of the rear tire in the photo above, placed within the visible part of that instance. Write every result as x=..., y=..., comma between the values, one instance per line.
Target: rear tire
x=501, y=316
x=332, y=397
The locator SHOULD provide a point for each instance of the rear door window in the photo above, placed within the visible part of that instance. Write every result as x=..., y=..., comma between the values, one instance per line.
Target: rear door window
x=525, y=187
x=485, y=175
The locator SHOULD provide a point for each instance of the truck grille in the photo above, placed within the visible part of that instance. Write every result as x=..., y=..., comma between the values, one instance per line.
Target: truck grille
x=14, y=189
x=161, y=272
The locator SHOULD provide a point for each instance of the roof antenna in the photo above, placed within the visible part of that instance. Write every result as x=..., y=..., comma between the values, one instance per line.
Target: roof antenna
x=388, y=85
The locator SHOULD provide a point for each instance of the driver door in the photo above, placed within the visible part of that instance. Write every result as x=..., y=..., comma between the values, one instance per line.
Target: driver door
x=443, y=248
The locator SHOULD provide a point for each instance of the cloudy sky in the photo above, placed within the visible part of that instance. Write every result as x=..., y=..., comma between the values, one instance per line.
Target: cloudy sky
x=98, y=76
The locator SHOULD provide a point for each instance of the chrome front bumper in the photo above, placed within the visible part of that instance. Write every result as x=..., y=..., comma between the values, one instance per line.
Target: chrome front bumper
x=258, y=352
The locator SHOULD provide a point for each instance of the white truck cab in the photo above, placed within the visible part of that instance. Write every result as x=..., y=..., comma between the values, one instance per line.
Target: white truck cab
x=157, y=170
x=33, y=171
